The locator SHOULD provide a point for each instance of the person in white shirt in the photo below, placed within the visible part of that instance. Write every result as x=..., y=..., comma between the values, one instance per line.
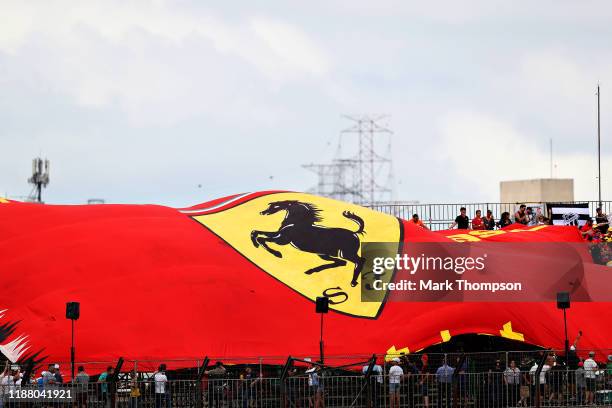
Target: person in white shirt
x=4, y=382
x=395, y=377
x=161, y=382
x=541, y=382
x=376, y=382
x=316, y=394
x=590, y=375
x=512, y=379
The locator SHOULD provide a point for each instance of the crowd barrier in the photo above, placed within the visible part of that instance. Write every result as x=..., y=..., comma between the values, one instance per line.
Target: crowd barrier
x=558, y=387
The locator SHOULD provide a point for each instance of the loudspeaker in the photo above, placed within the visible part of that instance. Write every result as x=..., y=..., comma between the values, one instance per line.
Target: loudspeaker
x=563, y=300
x=73, y=310
x=322, y=304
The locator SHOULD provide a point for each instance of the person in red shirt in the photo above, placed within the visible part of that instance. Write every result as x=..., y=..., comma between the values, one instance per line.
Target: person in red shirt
x=477, y=222
x=415, y=219
x=587, y=230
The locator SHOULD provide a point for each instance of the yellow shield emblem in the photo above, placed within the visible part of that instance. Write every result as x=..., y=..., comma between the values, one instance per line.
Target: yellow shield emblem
x=312, y=244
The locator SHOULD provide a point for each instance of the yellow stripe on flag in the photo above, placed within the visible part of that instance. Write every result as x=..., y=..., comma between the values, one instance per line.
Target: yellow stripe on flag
x=446, y=336
x=393, y=353
x=508, y=333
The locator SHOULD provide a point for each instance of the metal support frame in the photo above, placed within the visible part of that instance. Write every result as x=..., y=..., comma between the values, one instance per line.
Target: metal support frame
x=536, y=378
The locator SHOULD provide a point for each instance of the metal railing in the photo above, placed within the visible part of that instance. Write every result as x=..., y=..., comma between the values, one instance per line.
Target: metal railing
x=440, y=216
x=448, y=388
x=271, y=366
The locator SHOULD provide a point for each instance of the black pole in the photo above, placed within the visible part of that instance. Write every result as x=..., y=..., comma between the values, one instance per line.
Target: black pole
x=72, y=351
x=537, y=378
x=321, y=342
x=566, y=339
x=598, y=146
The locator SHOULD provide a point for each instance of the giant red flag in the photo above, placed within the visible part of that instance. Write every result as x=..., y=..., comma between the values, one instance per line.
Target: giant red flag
x=238, y=277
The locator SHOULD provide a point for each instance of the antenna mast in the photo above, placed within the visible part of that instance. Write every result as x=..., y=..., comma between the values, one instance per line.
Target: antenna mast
x=598, y=146
x=40, y=178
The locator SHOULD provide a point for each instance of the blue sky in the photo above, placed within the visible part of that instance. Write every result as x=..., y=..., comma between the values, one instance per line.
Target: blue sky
x=144, y=101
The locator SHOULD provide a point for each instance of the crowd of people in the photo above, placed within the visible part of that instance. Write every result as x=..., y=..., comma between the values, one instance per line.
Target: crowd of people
x=595, y=231
x=560, y=382
x=524, y=215
x=596, y=228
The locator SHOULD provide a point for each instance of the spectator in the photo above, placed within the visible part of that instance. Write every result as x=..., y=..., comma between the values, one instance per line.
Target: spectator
x=478, y=222
x=134, y=390
x=602, y=221
x=5, y=381
x=555, y=381
x=580, y=384
x=609, y=370
x=58, y=376
x=376, y=384
x=104, y=379
x=462, y=389
x=294, y=390
x=18, y=378
x=314, y=385
x=572, y=364
x=424, y=380
x=462, y=221
x=444, y=375
x=411, y=372
x=539, y=383
x=48, y=378
x=82, y=382
x=587, y=230
x=415, y=220
x=8, y=383
x=248, y=382
x=512, y=379
x=572, y=357
x=489, y=220
x=525, y=379
x=161, y=385
x=505, y=220
x=590, y=375
x=532, y=218
x=395, y=377
x=215, y=389
x=496, y=384
x=521, y=215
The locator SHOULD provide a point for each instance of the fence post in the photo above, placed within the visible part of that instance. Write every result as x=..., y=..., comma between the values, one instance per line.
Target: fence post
x=537, y=378
x=283, y=379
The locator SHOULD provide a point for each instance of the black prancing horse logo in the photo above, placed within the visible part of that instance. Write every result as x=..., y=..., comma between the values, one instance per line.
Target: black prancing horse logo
x=337, y=245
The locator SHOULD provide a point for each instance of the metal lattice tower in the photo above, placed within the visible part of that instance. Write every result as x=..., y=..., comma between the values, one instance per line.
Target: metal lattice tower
x=324, y=178
x=359, y=173
x=374, y=169
x=39, y=179
x=334, y=179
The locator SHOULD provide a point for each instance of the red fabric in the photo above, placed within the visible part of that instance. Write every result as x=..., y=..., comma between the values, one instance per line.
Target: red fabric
x=155, y=284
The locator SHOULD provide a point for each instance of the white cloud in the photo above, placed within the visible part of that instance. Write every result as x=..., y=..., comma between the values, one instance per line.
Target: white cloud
x=160, y=64
x=292, y=48
x=484, y=151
